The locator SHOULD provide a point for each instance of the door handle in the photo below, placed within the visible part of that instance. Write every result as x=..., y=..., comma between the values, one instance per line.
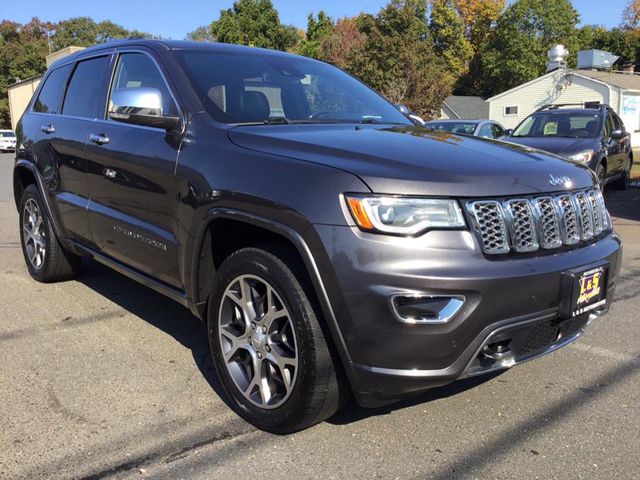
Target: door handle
x=99, y=139
x=110, y=173
x=48, y=128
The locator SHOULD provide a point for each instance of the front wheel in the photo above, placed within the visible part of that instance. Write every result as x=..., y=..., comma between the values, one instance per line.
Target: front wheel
x=267, y=344
x=623, y=182
x=601, y=174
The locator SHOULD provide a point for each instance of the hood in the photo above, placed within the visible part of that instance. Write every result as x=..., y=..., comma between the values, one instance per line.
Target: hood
x=417, y=161
x=558, y=145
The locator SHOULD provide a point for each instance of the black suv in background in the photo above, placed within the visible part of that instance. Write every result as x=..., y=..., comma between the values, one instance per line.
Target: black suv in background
x=591, y=134
x=331, y=246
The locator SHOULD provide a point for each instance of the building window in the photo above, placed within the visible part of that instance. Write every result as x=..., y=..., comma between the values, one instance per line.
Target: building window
x=508, y=111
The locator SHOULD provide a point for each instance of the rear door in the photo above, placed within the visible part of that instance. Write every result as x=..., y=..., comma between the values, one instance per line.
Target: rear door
x=61, y=142
x=131, y=178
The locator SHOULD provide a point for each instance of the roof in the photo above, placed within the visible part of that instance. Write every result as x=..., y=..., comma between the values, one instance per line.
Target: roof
x=171, y=45
x=626, y=81
x=467, y=107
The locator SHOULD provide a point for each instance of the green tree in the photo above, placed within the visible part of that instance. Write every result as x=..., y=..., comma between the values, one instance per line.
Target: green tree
x=23, y=49
x=84, y=32
x=250, y=22
x=448, y=33
x=516, y=51
x=319, y=29
x=398, y=57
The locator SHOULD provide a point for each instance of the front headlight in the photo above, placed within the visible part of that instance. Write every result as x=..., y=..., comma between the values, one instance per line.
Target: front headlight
x=582, y=157
x=404, y=215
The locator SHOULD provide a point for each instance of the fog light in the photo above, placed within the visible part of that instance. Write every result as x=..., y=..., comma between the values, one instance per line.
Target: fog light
x=431, y=309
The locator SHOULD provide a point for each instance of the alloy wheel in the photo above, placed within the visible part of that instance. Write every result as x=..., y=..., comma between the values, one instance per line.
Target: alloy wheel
x=600, y=173
x=34, y=233
x=258, y=341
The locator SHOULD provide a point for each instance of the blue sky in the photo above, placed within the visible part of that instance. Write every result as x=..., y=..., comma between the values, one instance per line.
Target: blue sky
x=174, y=19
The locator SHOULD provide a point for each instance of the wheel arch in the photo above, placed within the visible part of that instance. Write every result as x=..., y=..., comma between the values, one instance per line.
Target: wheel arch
x=216, y=241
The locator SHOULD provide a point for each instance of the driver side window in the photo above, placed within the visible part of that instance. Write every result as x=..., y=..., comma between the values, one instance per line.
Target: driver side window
x=137, y=70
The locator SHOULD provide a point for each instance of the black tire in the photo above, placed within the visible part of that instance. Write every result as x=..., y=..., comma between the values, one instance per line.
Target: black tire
x=623, y=182
x=56, y=264
x=319, y=386
x=601, y=174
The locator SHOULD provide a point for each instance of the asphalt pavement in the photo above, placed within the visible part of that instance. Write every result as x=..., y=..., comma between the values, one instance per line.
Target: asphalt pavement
x=103, y=378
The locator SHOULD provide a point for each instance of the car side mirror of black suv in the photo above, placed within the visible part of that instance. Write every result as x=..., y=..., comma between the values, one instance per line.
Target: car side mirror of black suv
x=141, y=106
x=618, y=134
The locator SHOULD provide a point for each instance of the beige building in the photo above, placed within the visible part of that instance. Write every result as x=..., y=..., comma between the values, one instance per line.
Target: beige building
x=20, y=93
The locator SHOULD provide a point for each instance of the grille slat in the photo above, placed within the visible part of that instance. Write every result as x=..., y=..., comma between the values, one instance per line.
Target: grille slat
x=528, y=224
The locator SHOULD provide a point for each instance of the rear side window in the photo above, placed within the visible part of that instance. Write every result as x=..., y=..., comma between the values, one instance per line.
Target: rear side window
x=50, y=97
x=85, y=93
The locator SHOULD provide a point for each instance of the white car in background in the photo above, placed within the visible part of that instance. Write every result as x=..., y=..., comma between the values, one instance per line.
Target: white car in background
x=7, y=141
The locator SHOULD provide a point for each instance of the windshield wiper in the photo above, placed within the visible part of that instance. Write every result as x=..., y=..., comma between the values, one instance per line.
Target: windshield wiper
x=276, y=120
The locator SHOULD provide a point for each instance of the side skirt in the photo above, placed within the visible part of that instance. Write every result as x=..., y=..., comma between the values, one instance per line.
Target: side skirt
x=173, y=293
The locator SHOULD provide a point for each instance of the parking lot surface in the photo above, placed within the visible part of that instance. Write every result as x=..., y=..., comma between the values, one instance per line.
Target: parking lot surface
x=101, y=377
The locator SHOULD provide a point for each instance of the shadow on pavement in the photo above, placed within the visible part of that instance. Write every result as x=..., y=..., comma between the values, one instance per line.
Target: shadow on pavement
x=352, y=412
x=623, y=204
x=157, y=310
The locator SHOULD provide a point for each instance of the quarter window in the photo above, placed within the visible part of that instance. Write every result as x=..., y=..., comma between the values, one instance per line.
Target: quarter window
x=84, y=93
x=512, y=110
x=50, y=97
x=137, y=70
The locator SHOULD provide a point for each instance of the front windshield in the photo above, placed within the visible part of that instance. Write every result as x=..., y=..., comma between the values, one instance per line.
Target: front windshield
x=573, y=125
x=466, y=128
x=242, y=88
x=7, y=134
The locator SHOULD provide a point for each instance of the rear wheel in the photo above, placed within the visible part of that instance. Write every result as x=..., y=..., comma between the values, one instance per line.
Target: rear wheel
x=268, y=347
x=46, y=259
x=623, y=182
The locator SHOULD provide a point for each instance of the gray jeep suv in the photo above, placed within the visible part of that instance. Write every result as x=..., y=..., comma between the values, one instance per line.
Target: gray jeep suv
x=330, y=245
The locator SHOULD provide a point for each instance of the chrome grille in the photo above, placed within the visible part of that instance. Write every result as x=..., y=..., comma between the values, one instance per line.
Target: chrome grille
x=586, y=216
x=489, y=219
x=569, y=216
x=550, y=236
x=523, y=229
x=548, y=222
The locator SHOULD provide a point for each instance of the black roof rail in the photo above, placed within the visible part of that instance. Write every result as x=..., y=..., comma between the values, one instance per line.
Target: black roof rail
x=556, y=106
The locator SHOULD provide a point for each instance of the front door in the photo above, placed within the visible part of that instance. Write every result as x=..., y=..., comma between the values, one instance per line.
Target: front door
x=131, y=180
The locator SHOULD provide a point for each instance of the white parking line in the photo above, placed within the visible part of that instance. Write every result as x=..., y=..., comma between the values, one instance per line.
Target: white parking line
x=609, y=354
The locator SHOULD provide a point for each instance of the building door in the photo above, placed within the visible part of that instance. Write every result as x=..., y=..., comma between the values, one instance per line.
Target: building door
x=630, y=115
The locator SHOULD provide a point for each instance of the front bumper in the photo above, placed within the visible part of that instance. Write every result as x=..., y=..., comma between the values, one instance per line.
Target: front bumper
x=392, y=359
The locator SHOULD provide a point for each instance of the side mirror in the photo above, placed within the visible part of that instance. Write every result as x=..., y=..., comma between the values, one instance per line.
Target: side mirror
x=618, y=134
x=508, y=132
x=402, y=108
x=140, y=106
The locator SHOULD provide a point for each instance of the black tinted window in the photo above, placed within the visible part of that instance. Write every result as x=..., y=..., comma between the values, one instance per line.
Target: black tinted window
x=50, y=97
x=85, y=91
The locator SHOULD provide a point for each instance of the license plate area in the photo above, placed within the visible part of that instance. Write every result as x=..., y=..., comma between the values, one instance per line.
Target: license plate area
x=585, y=290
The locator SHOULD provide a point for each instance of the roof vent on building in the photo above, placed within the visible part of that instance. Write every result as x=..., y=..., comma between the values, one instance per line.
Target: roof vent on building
x=596, y=60
x=557, y=58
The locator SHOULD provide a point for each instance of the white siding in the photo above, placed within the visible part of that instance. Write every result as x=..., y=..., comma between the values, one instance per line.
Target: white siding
x=555, y=87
